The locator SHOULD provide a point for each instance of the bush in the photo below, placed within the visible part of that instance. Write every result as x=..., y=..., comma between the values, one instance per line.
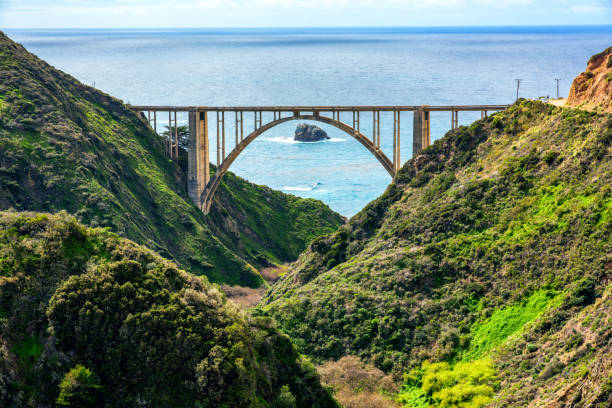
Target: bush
x=464, y=385
x=581, y=293
x=550, y=157
x=80, y=388
x=351, y=372
x=285, y=399
x=357, y=384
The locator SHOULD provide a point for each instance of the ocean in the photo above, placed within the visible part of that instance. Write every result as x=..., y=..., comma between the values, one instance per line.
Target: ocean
x=334, y=66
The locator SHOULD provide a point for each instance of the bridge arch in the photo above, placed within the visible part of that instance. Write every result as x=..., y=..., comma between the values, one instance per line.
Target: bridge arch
x=210, y=189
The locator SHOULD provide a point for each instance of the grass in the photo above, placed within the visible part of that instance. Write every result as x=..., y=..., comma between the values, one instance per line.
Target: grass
x=506, y=322
x=28, y=350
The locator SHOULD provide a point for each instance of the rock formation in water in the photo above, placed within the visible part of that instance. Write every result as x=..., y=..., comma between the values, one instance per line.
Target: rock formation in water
x=593, y=88
x=309, y=133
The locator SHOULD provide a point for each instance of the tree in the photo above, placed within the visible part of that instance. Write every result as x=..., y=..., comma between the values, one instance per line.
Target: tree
x=183, y=135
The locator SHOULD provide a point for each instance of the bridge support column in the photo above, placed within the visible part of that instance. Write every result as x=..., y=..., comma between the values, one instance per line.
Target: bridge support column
x=421, y=133
x=397, y=162
x=198, y=166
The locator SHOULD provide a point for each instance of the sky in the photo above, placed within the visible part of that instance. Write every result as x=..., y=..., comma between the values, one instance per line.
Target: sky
x=298, y=13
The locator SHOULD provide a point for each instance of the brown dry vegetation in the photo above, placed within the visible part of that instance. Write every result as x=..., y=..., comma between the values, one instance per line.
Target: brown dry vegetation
x=358, y=385
x=246, y=297
x=273, y=273
x=243, y=296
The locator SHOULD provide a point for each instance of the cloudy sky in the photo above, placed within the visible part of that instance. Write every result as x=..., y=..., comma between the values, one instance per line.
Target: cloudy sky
x=299, y=13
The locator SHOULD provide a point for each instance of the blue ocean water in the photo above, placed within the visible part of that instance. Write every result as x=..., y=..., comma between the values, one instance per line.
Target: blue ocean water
x=336, y=66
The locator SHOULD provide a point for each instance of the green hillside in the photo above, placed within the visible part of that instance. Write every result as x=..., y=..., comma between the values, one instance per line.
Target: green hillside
x=264, y=225
x=482, y=273
x=67, y=146
x=89, y=319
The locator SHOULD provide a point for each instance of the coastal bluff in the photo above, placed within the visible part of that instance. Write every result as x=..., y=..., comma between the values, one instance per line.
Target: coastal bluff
x=592, y=89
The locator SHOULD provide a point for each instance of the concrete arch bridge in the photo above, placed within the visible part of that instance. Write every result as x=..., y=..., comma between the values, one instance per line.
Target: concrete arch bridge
x=202, y=187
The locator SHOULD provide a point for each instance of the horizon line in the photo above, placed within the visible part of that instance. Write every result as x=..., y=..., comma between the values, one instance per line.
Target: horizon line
x=311, y=27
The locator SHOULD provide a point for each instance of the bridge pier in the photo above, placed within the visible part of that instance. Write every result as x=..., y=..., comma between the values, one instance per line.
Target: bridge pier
x=421, y=132
x=198, y=171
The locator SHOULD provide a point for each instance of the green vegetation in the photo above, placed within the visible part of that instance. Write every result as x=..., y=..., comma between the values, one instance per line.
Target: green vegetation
x=66, y=146
x=28, y=349
x=481, y=276
x=80, y=388
x=265, y=225
x=492, y=244
x=505, y=322
x=102, y=321
x=464, y=385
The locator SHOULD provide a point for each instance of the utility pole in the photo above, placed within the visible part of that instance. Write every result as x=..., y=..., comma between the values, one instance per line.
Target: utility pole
x=557, y=79
x=518, y=85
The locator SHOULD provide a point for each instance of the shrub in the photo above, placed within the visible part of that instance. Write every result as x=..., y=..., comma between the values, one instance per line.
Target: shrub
x=79, y=388
x=285, y=399
x=582, y=293
x=357, y=384
x=550, y=157
x=351, y=372
x=465, y=385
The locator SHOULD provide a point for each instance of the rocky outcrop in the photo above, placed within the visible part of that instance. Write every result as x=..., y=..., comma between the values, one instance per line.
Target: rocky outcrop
x=592, y=89
x=309, y=133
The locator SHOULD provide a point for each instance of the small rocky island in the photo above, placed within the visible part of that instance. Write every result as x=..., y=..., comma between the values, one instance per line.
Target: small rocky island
x=309, y=133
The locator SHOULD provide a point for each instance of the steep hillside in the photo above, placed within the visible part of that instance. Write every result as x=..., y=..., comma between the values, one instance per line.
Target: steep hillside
x=88, y=319
x=66, y=146
x=592, y=89
x=264, y=225
x=484, y=269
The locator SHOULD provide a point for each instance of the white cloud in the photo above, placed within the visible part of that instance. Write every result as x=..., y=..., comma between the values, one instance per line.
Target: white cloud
x=268, y=13
x=590, y=9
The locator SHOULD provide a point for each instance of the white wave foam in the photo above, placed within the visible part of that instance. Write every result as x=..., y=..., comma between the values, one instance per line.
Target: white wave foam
x=288, y=140
x=300, y=188
x=284, y=140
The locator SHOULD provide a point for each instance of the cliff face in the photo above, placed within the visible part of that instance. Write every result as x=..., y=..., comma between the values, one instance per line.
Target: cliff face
x=491, y=248
x=593, y=88
x=67, y=146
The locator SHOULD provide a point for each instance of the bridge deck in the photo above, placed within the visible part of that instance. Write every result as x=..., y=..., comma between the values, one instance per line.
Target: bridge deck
x=318, y=108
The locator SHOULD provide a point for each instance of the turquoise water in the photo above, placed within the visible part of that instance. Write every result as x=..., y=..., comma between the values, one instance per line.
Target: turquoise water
x=386, y=66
